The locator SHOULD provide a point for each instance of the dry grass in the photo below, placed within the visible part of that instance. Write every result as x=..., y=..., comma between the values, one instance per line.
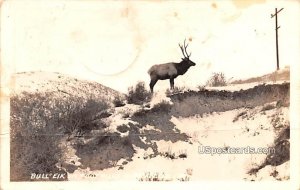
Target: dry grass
x=172, y=155
x=176, y=90
x=153, y=177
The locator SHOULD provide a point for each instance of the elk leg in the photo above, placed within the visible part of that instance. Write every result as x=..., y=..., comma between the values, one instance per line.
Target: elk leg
x=152, y=83
x=172, y=83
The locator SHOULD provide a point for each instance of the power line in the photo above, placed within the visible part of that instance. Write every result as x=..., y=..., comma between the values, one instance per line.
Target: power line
x=276, y=29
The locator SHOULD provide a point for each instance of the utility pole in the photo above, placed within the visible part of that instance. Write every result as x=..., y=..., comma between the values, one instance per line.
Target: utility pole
x=276, y=28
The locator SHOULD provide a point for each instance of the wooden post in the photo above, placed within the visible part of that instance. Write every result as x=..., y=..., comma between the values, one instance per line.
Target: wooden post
x=276, y=29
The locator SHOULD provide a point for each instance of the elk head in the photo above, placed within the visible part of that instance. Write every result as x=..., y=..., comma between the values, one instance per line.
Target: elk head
x=186, y=56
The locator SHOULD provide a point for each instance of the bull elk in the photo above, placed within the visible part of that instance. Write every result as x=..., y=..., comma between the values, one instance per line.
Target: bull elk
x=171, y=70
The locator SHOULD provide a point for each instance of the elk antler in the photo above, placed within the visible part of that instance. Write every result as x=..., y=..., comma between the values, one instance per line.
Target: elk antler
x=183, y=50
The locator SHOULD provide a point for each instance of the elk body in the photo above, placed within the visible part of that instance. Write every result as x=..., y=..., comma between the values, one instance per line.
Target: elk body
x=170, y=70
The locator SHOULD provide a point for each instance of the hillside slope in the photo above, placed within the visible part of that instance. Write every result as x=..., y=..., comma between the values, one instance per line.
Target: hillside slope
x=59, y=85
x=276, y=76
x=162, y=142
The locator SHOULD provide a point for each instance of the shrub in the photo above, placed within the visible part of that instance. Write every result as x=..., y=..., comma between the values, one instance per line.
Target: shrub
x=126, y=141
x=77, y=114
x=201, y=88
x=37, y=152
x=281, y=151
x=122, y=128
x=118, y=101
x=268, y=107
x=241, y=114
x=217, y=79
x=141, y=113
x=34, y=137
x=138, y=94
x=163, y=106
x=38, y=123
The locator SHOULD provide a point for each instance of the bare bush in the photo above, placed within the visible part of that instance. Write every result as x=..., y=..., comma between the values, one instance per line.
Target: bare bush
x=77, y=115
x=38, y=123
x=242, y=114
x=33, y=153
x=163, y=106
x=34, y=137
x=122, y=128
x=217, y=79
x=201, y=88
x=118, y=102
x=138, y=94
x=126, y=141
x=281, y=146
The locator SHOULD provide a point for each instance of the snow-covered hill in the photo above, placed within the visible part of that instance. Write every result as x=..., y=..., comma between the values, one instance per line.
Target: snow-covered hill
x=253, y=128
x=161, y=143
x=59, y=85
x=161, y=140
x=282, y=75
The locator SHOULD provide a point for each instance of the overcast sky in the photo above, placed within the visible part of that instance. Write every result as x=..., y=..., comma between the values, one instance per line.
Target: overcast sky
x=115, y=43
